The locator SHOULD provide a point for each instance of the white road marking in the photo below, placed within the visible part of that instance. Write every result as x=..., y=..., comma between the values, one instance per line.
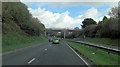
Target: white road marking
x=31, y=61
x=77, y=54
x=93, y=53
x=45, y=49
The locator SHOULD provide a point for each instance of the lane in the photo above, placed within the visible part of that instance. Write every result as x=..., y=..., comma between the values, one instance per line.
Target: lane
x=58, y=54
x=22, y=56
x=43, y=54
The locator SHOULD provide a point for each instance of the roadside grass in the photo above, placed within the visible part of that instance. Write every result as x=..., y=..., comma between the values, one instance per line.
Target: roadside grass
x=100, y=57
x=16, y=41
x=106, y=41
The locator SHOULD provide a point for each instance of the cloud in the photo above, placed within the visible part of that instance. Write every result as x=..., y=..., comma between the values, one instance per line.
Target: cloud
x=69, y=3
x=55, y=20
x=70, y=0
x=63, y=20
x=92, y=13
x=66, y=3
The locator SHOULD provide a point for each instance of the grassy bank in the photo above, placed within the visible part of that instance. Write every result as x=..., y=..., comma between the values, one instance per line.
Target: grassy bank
x=106, y=41
x=98, y=56
x=15, y=41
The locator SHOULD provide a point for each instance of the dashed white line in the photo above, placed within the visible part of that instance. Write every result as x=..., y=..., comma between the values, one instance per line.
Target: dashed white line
x=31, y=61
x=77, y=54
x=45, y=49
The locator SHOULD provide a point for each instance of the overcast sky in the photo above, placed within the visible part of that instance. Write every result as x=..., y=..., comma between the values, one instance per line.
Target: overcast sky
x=68, y=14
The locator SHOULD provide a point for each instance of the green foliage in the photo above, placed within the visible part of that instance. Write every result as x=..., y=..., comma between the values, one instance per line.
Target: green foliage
x=87, y=22
x=89, y=31
x=76, y=28
x=17, y=19
x=109, y=28
x=106, y=29
x=106, y=41
x=19, y=28
x=15, y=41
x=105, y=19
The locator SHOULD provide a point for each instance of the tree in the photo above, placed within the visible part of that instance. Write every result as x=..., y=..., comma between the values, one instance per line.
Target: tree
x=87, y=22
x=76, y=32
x=17, y=19
x=104, y=18
x=119, y=10
x=114, y=12
x=76, y=28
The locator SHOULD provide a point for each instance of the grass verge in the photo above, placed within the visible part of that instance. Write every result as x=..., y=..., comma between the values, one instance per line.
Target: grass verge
x=15, y=41
x=106, y=41
x=98, y=56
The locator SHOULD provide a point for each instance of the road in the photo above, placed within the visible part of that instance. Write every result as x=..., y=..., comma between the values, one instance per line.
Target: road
x=43, y=54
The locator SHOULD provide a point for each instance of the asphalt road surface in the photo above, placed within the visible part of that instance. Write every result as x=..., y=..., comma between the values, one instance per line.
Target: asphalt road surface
x=43, y=54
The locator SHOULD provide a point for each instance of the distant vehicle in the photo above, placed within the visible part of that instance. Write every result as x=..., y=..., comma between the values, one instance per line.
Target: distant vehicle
x=59, y=39
x=50, y=39
x=55, y=41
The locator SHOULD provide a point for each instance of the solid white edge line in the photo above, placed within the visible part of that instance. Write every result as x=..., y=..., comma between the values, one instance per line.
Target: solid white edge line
x=31, y=61
x=78, y=55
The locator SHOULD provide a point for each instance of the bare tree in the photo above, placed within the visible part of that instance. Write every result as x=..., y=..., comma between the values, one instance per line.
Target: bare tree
x=115, y=11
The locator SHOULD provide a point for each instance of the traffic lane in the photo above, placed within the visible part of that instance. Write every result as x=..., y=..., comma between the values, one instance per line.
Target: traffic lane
x=22, y=56
x=58, y=54
x=26, y=55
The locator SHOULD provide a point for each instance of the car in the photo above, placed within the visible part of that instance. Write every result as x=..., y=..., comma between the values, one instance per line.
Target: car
x=50, y=39
x=55, y=41
x=59, y=39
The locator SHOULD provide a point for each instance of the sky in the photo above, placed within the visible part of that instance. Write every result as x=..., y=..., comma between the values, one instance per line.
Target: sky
x=68, y=14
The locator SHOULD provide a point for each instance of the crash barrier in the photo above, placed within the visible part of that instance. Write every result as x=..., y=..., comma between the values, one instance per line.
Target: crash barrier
x=108, y=49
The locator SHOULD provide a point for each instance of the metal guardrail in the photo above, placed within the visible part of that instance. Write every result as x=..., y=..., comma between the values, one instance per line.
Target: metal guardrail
x=108, y=49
